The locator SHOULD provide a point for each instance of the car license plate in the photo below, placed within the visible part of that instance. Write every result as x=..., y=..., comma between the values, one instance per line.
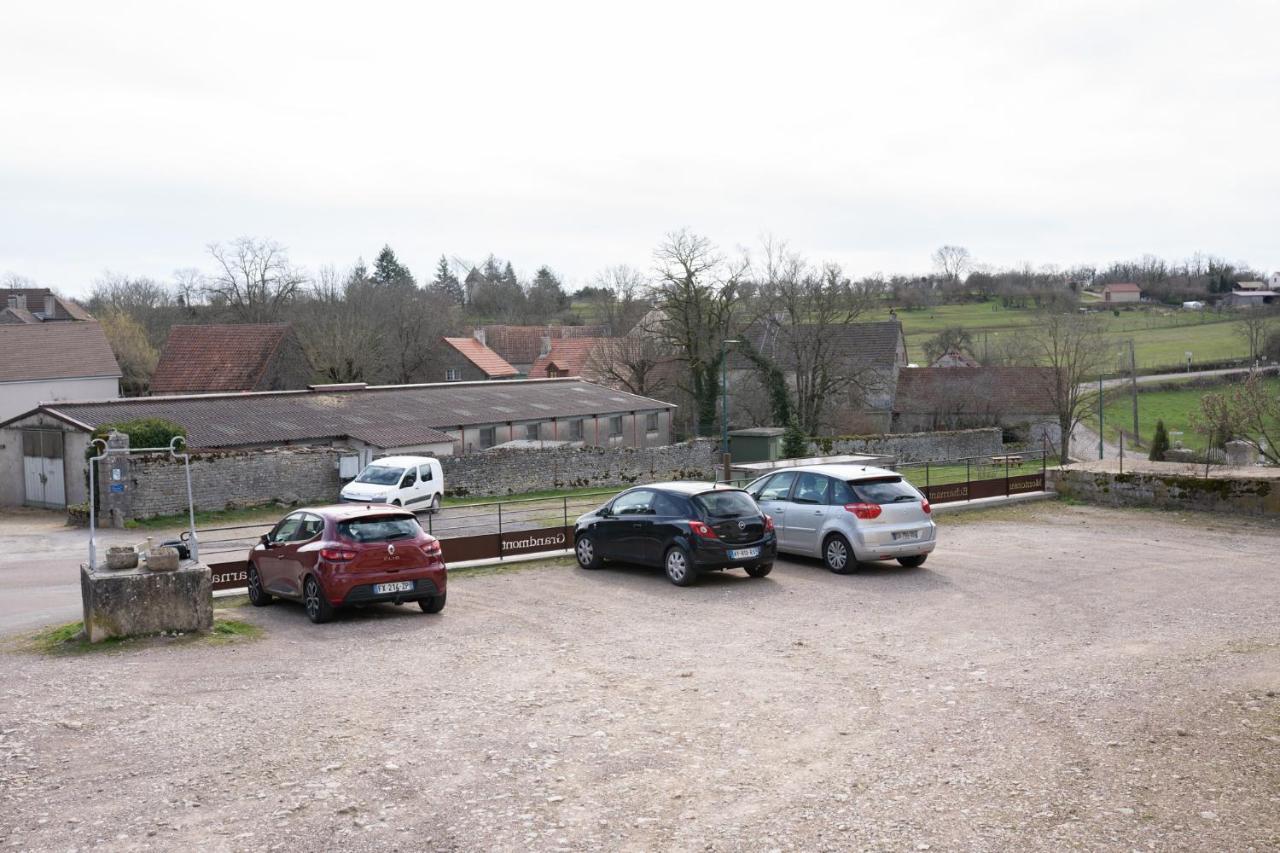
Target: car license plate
x=398, y=586
x=744, y=553
x=905, y=534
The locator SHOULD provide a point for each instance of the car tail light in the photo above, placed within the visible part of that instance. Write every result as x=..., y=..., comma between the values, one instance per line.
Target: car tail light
x=768, y=523
x=864, y=510
x=337, y=555
x=432, y=548
x=701, y=529
x=924, y=505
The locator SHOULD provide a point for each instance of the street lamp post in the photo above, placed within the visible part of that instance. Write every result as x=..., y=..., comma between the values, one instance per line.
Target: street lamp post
x=724, y=393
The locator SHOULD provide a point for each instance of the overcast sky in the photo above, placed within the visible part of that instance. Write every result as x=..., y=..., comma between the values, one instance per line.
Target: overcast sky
x=576, y=135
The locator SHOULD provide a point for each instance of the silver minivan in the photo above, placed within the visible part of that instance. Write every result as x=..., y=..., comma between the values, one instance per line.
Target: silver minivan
x=847, y=514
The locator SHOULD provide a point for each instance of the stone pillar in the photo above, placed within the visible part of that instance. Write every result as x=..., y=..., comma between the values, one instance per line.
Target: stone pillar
x=113, y=477
x=1241, y=454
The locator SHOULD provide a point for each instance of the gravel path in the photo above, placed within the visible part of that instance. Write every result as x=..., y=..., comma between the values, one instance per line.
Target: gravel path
x=1054, y=678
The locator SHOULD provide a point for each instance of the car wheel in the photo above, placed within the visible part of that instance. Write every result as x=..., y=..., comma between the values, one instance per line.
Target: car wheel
x=435, y=504
x=679, y=567
x=837, y=555
x=434, y=604
x=585, y=550
x=258, y=596
x=760, y=570
x=913, y=562
x=318, y=607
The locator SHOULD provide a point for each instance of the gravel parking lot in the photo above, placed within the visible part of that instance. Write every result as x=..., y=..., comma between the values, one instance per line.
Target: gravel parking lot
x=1055, y=677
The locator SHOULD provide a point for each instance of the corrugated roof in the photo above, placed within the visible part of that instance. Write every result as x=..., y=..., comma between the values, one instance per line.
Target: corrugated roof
x=387, y=416
x=216, y=358
x=973, y=390
x=482, y=357
x=35, y=351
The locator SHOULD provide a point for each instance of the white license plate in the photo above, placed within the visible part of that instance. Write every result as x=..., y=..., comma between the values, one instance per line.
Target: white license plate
x=398, y=586
x=744, y=553
x=906, y=534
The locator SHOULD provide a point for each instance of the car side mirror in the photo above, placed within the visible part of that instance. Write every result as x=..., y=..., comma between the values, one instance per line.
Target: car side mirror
x=265, y=539
x=605, y=512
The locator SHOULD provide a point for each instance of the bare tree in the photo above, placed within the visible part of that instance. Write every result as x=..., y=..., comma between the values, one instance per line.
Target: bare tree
x=806, y=319
x=342, y=337
x=1253, y=326
x=637, y=363
x=254, y=279
x=698, y=295
x=618, y=298
x=953, y=262
x=1072, y=345
x=1248, y=412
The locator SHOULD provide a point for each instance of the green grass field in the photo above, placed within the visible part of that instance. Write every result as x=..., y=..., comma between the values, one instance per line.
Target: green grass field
x=1162, y=336
x=1174, y=406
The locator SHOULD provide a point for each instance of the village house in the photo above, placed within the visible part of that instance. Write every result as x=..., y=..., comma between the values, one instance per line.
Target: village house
x=51, y=361
x=564, y=357
x=521, y=346
x=1121, y=292
x=239, y=357
x=439, y=419
x=468, y=360
x=29, y=305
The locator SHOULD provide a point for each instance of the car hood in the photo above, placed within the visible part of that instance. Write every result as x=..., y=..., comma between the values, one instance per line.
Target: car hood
x=363, y=490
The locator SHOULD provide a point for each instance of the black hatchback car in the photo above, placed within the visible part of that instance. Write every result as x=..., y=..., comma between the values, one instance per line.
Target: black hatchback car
x=684, y=527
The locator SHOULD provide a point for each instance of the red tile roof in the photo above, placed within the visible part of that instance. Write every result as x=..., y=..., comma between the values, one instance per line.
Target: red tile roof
x=35, y=351
x=523, y=344
x=567, y=357
x=974, y=390
x=217, y=358
x=492, y=364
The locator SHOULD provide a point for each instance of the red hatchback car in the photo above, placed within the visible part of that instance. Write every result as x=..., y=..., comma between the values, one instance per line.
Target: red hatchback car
x=333, y=556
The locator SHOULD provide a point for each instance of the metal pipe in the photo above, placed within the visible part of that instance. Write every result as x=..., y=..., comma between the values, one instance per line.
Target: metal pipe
x=93, y=510
x=191, y=503
x=1100, y=401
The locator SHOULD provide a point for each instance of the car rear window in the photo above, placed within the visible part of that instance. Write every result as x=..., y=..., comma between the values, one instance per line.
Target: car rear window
x=379, y=529
x=883, y=490
x=729, y=503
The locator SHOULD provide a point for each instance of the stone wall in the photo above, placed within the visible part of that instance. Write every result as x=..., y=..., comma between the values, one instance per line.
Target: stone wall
x=1236, y=494
x=157, y=485
x=919, y=446
x=505, y=472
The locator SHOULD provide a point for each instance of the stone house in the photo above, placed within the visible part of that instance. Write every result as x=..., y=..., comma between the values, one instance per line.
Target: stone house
x=234, y=357
x=364, y=422
x=950, y=398
x=468, y=360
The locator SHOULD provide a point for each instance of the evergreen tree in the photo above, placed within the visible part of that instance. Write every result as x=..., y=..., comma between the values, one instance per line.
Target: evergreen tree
x=388, y=270
x=546, y=295
x=795, y=444
x=1159, y=443
x=447, y=284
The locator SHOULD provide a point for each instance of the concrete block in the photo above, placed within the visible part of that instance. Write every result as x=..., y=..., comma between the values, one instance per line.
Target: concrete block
x=137, y=602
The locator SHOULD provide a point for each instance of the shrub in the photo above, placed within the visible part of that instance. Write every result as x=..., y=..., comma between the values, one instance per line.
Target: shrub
x=144, y=432
x=795, y=444
x=1159, y=443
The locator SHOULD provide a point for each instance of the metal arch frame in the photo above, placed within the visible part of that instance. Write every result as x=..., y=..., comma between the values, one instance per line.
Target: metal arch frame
x=172, y=448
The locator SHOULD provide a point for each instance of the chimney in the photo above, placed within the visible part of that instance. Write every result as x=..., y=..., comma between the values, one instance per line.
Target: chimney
x=545, y=348
x=22, y=301
x=13, y=301
x=50, y=306
x=479, y=336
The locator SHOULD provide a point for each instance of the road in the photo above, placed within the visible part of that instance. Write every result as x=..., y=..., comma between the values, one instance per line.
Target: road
x=1054, y=678
x=40, y=556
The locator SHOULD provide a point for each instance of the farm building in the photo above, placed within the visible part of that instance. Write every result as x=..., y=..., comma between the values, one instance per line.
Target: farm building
x=1121, y=292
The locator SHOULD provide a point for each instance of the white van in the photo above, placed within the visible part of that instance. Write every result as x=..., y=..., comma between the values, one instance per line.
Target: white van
x=413, y=482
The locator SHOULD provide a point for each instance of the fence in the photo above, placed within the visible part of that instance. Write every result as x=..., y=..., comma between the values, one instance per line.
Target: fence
x=509, y=528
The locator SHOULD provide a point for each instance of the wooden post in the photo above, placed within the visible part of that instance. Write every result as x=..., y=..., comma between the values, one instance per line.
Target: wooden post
x=727, y=462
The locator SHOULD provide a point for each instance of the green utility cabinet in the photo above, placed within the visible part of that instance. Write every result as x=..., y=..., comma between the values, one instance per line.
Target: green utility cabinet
x=757, y=444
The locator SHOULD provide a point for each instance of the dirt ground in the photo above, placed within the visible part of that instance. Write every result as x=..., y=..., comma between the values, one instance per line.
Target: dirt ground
x=1054, y=678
